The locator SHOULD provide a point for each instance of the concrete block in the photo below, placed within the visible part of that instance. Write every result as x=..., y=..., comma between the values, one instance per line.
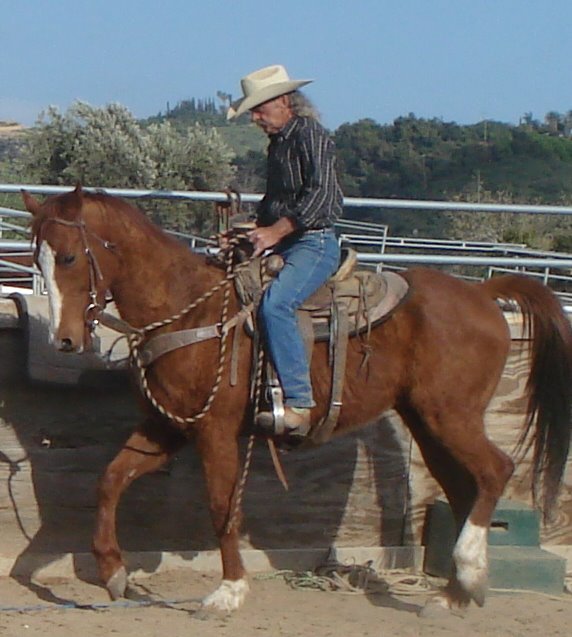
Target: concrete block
x=516, y=560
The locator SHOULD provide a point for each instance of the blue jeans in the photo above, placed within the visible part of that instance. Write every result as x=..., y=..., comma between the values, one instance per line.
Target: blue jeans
x=309, y=261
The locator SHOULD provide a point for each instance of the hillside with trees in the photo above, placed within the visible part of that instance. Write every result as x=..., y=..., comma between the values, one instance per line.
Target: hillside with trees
x=192, y=146
x=416, y=158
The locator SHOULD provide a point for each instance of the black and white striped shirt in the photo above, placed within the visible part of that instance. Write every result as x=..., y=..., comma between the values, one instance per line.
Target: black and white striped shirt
x=301, y=181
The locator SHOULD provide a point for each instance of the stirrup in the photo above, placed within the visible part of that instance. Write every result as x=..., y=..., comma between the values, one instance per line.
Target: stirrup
x=275, y=423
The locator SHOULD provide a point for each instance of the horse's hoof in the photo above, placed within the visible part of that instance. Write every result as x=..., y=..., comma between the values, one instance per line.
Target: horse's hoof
x=229, y=596
x=475, y=584
x=440, y=605
x=117, y=584
x=470, y=556
x=479, y=595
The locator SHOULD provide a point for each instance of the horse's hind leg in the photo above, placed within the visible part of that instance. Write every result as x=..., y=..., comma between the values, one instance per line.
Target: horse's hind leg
x=473, y=473
x=145, y=451
x=491, y=469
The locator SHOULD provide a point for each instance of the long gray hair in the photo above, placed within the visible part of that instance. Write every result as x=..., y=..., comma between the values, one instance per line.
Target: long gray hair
x=302, y=106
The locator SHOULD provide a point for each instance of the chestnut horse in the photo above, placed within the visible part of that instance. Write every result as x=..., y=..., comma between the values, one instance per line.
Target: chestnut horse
x=437, y=361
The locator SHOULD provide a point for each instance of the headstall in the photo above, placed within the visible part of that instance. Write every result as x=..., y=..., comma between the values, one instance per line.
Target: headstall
x=93, y=308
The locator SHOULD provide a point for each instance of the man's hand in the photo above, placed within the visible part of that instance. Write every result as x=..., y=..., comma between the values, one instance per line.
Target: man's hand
x=223, y=239
x=267, y=237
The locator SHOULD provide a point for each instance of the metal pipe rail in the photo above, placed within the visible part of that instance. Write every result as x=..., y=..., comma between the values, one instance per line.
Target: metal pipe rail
x=525, y=259
x=4, y=225
x=356, y=202
x=441, y=259
x=10, y=212
x=453, y=244
x=8, y=245
x=437, y=244
x=27, y=269
x=543, y=273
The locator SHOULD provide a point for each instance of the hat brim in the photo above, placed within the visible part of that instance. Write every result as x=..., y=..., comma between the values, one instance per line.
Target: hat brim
x=267, y=93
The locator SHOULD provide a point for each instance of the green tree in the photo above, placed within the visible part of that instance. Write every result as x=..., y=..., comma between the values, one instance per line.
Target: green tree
x=107, y=147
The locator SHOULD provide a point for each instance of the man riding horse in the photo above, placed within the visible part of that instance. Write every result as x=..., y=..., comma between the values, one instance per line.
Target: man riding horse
x=296, y=219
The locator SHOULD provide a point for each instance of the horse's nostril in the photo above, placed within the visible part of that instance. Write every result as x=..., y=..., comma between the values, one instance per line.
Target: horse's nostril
x=66, y=345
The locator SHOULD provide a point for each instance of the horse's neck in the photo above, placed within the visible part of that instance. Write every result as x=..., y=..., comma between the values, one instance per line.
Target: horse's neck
x=158, y=276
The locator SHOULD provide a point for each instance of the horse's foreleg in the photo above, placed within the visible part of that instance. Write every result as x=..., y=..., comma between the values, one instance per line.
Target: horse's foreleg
x=221, y=468
x=145, y=451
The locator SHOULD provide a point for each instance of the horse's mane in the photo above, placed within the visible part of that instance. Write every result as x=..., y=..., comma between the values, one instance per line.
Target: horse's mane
x=67, y=206
x=130, y=211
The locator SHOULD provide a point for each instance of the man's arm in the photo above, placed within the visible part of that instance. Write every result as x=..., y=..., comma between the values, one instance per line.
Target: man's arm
x=320, y=190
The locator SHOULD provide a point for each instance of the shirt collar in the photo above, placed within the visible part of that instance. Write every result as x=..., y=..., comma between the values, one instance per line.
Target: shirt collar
x=287, y=129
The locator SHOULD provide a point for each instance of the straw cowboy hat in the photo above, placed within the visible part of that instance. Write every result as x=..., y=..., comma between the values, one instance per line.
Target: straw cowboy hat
x=263, y=85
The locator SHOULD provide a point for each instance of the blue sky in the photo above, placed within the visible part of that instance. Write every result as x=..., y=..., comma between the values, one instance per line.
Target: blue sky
x=459, y=60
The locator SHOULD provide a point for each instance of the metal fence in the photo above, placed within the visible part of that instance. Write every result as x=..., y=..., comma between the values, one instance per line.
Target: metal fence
x=376, y=248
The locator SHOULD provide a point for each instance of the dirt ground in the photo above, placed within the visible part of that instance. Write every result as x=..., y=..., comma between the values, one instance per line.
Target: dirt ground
x=168, y=604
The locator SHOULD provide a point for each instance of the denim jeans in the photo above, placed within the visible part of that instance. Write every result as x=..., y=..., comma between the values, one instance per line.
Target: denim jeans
x=309, y=261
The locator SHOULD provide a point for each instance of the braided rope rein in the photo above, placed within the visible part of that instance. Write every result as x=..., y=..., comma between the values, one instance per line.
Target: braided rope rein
x=136, y=336
x=135, y=339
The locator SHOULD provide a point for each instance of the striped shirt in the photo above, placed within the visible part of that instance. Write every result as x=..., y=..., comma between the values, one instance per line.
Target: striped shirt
x=301, y=181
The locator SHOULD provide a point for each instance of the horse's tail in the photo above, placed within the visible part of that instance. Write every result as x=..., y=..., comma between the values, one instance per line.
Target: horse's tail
x=549, y=385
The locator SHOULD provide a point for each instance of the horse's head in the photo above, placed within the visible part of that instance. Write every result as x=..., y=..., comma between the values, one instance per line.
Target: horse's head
x=69, y=253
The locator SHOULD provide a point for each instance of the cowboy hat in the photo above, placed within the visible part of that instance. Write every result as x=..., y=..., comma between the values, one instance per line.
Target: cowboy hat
x=263, y=85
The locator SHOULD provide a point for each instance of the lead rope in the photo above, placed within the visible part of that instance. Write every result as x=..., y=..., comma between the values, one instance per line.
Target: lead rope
x=238, y=494
x=135, y=340
x=136, y=337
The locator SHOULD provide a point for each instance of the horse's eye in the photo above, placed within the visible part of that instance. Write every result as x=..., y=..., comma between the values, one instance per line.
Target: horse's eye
x=65, y=259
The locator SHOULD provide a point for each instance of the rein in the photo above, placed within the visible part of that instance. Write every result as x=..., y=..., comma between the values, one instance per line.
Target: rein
x=136, y=337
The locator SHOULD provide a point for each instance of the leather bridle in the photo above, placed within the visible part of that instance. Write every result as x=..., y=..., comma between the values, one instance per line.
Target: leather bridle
x=93, y=309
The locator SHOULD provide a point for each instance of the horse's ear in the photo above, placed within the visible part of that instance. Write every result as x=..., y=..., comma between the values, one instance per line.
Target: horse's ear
x=31, y=203
x=78, y=195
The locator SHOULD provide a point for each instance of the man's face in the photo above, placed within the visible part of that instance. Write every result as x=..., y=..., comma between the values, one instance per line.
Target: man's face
x=273, y=115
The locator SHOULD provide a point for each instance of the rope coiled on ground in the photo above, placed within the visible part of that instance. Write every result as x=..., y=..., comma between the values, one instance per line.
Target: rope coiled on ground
x=356, y=579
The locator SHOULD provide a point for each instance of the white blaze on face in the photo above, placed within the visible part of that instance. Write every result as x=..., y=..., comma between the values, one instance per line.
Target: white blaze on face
x=47, y=262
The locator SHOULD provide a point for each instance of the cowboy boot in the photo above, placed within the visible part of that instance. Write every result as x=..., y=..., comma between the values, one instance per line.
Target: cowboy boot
x=296, y=422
